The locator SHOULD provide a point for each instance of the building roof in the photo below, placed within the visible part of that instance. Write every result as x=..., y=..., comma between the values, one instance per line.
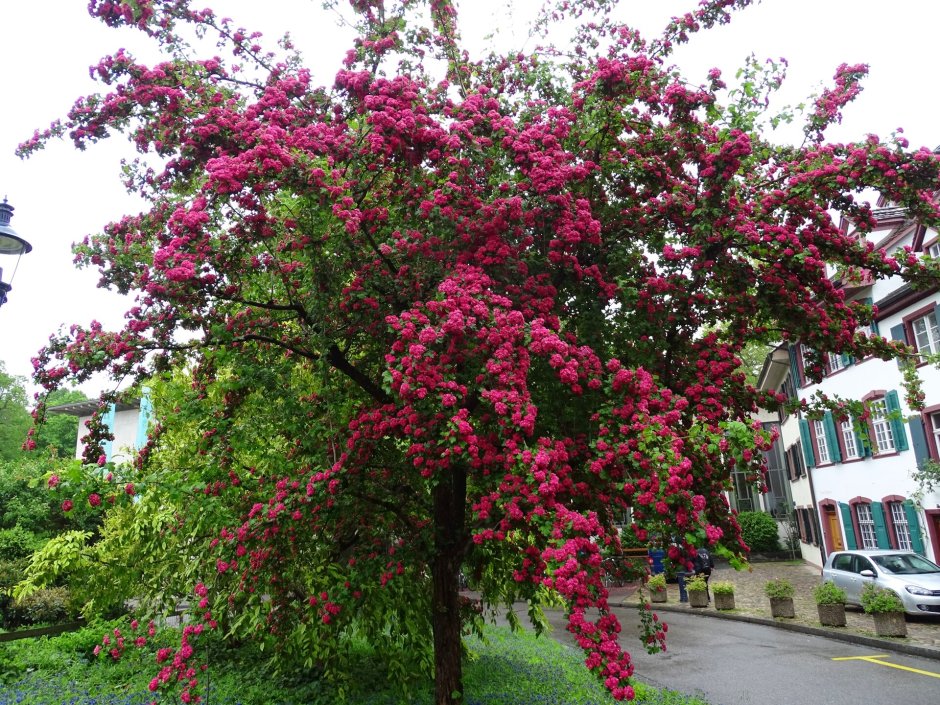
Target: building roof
x=89, y=406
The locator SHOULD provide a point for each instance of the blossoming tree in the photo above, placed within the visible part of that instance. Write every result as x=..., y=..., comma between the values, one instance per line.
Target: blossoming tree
x=456, y=314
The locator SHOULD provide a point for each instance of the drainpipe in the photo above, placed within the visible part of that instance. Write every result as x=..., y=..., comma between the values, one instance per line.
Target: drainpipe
x=812, y=496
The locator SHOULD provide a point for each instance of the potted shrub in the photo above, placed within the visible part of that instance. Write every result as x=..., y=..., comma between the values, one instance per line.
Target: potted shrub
x=886, y=609
x=724, y=594
x=780, y=592
x=830, y=603
x=657, y=587
x=697, y=589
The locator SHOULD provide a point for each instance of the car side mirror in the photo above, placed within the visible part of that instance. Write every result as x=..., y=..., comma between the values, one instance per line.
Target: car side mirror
x=867, y=573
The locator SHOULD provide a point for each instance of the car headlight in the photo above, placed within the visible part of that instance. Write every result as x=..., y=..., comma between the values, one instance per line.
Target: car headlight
x=916, y=590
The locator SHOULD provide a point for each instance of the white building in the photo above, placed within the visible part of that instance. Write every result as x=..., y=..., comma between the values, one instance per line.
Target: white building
x=128, y=422
x=851, y=489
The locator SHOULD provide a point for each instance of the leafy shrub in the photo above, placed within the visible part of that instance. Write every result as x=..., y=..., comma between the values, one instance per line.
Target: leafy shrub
x=17, y=542
x=656, y=582
x=759, y=531
x=11, y=667
x=778, y=588
x=723, y=587
x=696, y=583
x=46, y=606
x=877, y=600
x=11, y=572
x=828, y=593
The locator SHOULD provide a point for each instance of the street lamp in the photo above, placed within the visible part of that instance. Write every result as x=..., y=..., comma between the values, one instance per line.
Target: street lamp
x=10, y=244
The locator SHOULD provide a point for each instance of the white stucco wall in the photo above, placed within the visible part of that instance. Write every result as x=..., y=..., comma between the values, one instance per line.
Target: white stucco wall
x=125, y=435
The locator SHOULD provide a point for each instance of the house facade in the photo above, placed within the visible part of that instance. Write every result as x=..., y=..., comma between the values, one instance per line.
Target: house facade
x=851, y=480
x=128, y=422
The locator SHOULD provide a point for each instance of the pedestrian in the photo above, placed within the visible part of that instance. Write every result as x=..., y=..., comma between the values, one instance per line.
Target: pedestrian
x=702, y=565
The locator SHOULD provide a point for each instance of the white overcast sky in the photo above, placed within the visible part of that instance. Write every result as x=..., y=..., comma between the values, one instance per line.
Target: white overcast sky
x=60, y=194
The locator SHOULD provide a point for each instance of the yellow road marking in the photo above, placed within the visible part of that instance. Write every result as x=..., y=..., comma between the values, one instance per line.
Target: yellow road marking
x=875, y=659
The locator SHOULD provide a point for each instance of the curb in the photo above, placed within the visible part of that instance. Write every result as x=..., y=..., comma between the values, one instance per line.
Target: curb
x=848, y=637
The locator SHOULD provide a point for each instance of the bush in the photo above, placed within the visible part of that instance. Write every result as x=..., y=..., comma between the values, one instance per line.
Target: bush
x=723, y=587
x=47, y=606
x=877, y=600
x=696, y=583
x=759, y=531
x=778, y=588
x=828, y=593
x=17, y=542
x=656, y=582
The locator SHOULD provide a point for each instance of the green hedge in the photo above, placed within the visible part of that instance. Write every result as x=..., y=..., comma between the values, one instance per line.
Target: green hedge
x=759, y=531
x=48, y=606
x=18, y=542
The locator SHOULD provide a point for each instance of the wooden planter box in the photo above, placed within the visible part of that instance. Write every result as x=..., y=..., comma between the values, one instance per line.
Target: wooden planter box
x=724, y=601
x=658, y=595
x=782, y=607
x=890, y=624
x=831, y=615
x=698, y=598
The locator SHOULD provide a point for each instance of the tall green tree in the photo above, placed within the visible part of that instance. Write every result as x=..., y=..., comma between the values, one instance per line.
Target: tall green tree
x=15, y=420
x=453, y=313
x=59, y=432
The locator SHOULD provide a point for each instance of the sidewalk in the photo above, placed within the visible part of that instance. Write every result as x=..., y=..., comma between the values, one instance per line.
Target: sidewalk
x=923, y=633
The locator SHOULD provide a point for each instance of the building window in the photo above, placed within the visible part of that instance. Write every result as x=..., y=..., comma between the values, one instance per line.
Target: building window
x=884, y=438
x=850, y=443
x=866, y=525
x=822, y=448
x=836, y=362
x=933, y=250
x=926, y=334
x=935, y=430
x=902, y=532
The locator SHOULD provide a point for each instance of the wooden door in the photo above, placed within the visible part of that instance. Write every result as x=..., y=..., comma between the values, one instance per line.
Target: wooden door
x=835, y=531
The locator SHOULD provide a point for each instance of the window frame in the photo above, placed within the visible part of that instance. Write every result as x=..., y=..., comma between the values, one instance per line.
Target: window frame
x=879, y=421
x=890, y=403
x=820, y=442
x=847, y=435
x=867, y=536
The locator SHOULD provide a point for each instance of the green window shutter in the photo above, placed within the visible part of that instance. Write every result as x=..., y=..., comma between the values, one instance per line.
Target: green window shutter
x=847, y=360
x=861, y=439
x=897, y=424
x=899, y=332
x=918, y=439
x=847, y=526
x=794, y=367
x=913, y=525
x=806, y=441
x=881, y=527
x=832, y=439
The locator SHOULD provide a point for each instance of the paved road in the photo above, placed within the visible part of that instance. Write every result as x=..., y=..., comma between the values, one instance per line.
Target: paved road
x=736, y=663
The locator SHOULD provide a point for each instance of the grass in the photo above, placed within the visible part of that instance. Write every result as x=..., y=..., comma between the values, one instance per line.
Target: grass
x=505, y=669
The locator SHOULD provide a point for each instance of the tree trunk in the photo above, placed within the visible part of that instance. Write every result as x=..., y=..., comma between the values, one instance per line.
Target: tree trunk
x=449, y=503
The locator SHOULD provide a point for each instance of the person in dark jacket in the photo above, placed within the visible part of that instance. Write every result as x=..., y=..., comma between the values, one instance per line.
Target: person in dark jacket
x=702, y=565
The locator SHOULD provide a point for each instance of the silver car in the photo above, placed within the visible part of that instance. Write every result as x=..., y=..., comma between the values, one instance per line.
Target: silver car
x=912, y=577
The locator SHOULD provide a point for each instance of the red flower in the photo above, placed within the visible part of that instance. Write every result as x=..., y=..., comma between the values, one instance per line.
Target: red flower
x=67, y=505
x=94, y=499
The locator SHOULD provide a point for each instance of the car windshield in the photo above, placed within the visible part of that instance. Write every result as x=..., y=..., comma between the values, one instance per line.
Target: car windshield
x=905, y=564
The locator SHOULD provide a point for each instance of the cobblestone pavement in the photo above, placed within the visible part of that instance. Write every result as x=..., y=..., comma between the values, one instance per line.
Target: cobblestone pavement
x=750, y=601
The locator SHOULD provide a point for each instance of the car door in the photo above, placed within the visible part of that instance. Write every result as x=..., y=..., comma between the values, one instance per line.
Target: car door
x=842, y=572
x=861, y=563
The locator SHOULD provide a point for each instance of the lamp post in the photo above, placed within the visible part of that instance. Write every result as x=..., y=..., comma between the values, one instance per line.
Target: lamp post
x=10, y=244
